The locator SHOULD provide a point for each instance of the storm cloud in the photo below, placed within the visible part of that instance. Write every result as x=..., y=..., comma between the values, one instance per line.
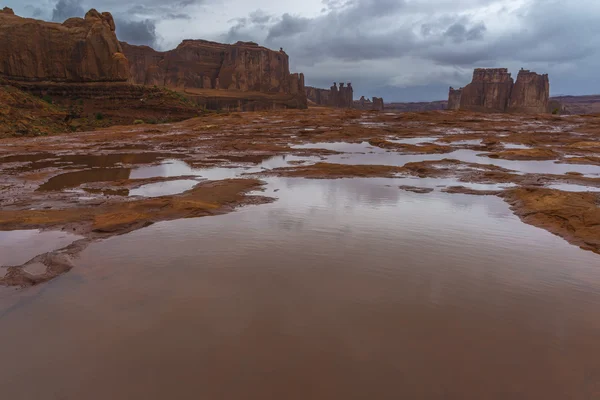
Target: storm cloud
x=409, y=50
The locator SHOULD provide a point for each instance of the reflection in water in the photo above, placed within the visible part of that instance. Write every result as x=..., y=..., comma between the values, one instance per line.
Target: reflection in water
x=18, y=247
x=74, y=179
x=343, y=289
x=163, y=188
x=45, y=160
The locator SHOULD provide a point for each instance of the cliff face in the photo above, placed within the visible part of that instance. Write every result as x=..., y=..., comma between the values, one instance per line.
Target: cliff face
x=493, y=90
x=530, y=93
x=78, y=50
x=341, y=97
x=200, y=64
x=454, y=96
x=489, y=90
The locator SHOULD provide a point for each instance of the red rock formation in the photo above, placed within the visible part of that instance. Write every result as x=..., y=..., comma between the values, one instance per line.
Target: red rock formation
x=493, y=90
x=366, y=104
x=78, y=50
x=489, y=90
x=318, y=96
x=530, y=93
x=201, y=64
x=454, y=96
x=378, y=103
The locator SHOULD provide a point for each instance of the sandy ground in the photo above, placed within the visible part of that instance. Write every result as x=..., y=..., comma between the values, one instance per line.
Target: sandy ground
x=83, y=183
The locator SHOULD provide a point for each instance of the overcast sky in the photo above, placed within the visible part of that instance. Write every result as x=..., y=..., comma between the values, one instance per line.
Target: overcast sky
x=403, y=50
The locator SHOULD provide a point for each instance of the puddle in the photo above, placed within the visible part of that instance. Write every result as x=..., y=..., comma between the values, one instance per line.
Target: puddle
x=344, y=147
x=367, y=281
x=18, y=247
x=167, y=169
x=363, y=153
x=74, y=179
x=95, y=161
x=470, y=142
x=172, y=168
x=163, y=188
x=440, y=183
x=20, y=158
x=515, y=146
x=568, y=187
x=417, y=140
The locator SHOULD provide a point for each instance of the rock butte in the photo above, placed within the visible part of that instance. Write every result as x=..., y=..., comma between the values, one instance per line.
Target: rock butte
x=493, y=90
x=341, y=97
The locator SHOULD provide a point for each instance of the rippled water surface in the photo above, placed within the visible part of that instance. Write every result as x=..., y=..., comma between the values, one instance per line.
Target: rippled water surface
x=343, y=289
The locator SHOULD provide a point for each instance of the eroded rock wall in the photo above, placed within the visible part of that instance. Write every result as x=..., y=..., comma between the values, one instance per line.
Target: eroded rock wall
x=200, y=64
x=489, y=90
x=78, y=50
x=530, y=93
x=454, y=96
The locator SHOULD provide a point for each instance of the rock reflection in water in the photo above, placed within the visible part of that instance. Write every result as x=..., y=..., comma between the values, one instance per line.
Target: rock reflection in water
x=342, y=289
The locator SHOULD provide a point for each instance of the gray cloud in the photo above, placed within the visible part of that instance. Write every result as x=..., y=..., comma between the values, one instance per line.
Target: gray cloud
x=136, y=32
x=66, y=9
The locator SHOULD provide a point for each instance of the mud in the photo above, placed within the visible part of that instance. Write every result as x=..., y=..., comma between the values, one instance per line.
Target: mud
x=102, y=183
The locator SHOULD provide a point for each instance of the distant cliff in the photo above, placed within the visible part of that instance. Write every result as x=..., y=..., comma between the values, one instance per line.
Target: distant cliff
x=493, y=90
x=200, y=64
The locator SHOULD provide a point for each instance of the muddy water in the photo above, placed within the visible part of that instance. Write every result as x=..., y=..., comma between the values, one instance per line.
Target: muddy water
x=18, y=247
x=343, y=289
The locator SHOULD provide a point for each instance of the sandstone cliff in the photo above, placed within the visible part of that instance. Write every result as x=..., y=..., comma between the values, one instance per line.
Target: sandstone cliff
x=341, y=97
x=454, y=96
x=78, y=50
x=493, y=90
x=530, y=93
x=489, y=90
x=200, y=64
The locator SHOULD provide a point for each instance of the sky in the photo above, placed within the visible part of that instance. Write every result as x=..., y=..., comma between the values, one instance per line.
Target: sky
x=403, y=50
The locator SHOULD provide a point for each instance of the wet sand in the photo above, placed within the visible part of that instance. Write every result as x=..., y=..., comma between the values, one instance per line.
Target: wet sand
x=418, y=255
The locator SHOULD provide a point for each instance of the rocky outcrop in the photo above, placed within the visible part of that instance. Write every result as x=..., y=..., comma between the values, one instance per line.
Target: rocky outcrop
x=317, y=96
x=378, y=103
x=78, y=50
x=454, y=96
x=341, y=97
x=493, y=90
x=530, y=93
x=200, y=64
x=489, y=90
x=366, y=104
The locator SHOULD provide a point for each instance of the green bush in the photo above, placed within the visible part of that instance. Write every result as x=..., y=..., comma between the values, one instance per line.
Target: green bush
x=138, y=122
x=99, y=117
x=47, y=99
x=555, y=111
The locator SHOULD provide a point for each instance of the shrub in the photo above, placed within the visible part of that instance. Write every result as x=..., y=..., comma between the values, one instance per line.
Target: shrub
x=47, y=99
x=99, y=116
x=138, y=122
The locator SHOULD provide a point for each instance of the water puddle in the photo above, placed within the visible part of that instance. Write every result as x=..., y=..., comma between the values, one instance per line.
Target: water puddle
x=416, y=140
x=164, y=188
x=567, y=187
x=18, y=247
x=368, y=281
x=516, y=146
x=439, y=183
x=363, y=153
x=343, y=147
x=77, y=178
x=94, y=161
x=167, y=169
